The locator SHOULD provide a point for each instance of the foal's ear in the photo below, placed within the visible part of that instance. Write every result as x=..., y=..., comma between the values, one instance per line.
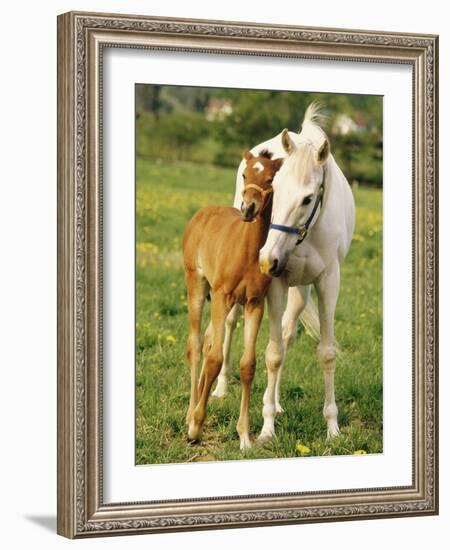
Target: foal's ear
x=286, y=141
x=247, y=155
x=323, y=152
x=277, y=164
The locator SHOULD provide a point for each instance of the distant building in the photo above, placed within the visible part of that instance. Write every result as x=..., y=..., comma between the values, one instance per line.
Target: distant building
x=344, y=125
x=218, y=109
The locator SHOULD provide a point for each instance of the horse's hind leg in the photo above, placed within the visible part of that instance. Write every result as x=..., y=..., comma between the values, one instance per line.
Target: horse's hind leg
x=327, y=287
x=297, y=299
x=225, y=371
x=197, y=289
x=253, y=317
x=211, y=367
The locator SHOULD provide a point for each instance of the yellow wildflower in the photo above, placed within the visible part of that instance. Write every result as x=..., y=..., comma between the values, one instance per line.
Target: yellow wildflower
x=360, y=452
x=302, y=449
x=170, y=339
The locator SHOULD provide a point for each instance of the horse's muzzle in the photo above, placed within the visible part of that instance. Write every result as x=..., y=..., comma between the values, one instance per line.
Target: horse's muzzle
x=273, y=267
x=248, y=211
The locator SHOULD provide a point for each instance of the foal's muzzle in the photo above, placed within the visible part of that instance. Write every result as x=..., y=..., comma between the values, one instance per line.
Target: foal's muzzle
x=248, y=211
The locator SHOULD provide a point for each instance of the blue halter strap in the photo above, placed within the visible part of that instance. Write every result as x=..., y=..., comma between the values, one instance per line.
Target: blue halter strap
x=301, y=231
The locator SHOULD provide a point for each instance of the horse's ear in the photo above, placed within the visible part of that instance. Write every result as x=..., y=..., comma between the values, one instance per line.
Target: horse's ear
x=286, y=141
x=323, y=152
x=277, y=164
x=247, y=155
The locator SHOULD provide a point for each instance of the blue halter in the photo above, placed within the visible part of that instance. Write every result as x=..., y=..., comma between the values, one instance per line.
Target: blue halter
x=301, y=231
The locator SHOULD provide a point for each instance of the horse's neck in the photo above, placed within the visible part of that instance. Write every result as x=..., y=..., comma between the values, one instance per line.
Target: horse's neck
x=336, y=218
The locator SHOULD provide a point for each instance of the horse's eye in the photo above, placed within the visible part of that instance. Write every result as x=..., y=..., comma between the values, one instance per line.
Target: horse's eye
x=307, y=200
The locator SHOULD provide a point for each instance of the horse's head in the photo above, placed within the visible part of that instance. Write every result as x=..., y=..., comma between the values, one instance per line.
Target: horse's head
x=297, y=192
x=258, y=177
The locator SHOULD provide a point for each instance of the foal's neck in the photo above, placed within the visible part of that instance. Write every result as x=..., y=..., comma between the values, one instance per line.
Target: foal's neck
x=256, y=232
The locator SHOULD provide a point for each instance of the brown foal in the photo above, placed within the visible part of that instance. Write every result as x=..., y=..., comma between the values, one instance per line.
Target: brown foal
x=221, y=255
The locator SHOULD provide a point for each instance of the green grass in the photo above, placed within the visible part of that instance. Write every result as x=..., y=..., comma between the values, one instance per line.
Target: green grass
x=167, y=196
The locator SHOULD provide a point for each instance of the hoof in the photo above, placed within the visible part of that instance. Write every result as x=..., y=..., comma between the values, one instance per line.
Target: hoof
x=264, y=437
x=279, y=409
x=245, y=443
x=194, y=432
x=220, y=390
x=333, y=431
x=216, y=394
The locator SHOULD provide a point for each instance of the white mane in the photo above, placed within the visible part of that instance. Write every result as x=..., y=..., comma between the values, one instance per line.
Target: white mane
x=311, y=130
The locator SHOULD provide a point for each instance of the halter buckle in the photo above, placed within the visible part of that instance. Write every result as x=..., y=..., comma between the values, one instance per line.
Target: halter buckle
x=302, y=232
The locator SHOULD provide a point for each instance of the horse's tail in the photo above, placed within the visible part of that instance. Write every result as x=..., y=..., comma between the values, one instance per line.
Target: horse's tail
x=309, y=318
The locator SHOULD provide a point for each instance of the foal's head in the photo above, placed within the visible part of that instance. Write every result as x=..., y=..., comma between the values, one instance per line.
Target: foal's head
x=258, y=176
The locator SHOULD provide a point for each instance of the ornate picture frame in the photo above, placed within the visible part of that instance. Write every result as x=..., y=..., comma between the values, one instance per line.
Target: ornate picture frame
x=82, y=38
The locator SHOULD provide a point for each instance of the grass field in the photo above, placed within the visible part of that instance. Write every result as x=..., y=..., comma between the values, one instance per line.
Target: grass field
x=167, y=197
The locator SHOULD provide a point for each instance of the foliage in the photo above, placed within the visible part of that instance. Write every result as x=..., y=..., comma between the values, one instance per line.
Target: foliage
x=172, y=124
x=172, y=136
x=167, y=196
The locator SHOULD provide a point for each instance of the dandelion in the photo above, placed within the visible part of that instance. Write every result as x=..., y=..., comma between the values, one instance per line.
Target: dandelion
x=360, y=452
x=302, y=449
x=170, y=339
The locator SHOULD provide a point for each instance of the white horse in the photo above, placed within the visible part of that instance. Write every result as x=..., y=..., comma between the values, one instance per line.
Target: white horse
x=313, y=220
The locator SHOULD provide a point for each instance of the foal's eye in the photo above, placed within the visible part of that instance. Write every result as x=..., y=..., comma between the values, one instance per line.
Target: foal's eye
x=307, y=200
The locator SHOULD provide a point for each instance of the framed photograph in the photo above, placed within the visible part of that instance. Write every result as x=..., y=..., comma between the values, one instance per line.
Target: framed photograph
x=247, y=274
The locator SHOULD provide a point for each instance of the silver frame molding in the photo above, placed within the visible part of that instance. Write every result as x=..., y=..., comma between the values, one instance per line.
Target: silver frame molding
x=81, y=39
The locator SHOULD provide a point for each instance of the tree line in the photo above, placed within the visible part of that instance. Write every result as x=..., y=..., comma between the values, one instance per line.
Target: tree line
x=214, y=125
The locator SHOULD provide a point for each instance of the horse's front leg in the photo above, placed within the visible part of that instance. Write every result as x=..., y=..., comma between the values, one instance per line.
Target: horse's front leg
x=225, y=371
x=253, y=317
x=297, y=299
x=327, y=287
x=274, y=356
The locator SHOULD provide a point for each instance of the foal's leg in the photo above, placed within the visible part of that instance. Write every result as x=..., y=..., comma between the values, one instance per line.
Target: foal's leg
x=253, y=317
x=212, y=365
x=225, y=371
x=197, y=289
x=327, y=287
x=274, y=356
x=297, y=299
x=207, y=342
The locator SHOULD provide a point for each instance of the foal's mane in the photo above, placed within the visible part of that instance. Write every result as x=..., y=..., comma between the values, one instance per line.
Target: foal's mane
x=265, y=153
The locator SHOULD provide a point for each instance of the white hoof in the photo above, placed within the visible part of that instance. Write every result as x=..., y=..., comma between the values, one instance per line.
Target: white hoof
x=219, y=392
x=245, y=443
x=333, y=430
x=279, y=409
x=264, y=437
x=221, y=387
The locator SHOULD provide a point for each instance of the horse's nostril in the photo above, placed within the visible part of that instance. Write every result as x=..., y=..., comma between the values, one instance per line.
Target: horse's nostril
x=274, y=266
x=248, y=211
